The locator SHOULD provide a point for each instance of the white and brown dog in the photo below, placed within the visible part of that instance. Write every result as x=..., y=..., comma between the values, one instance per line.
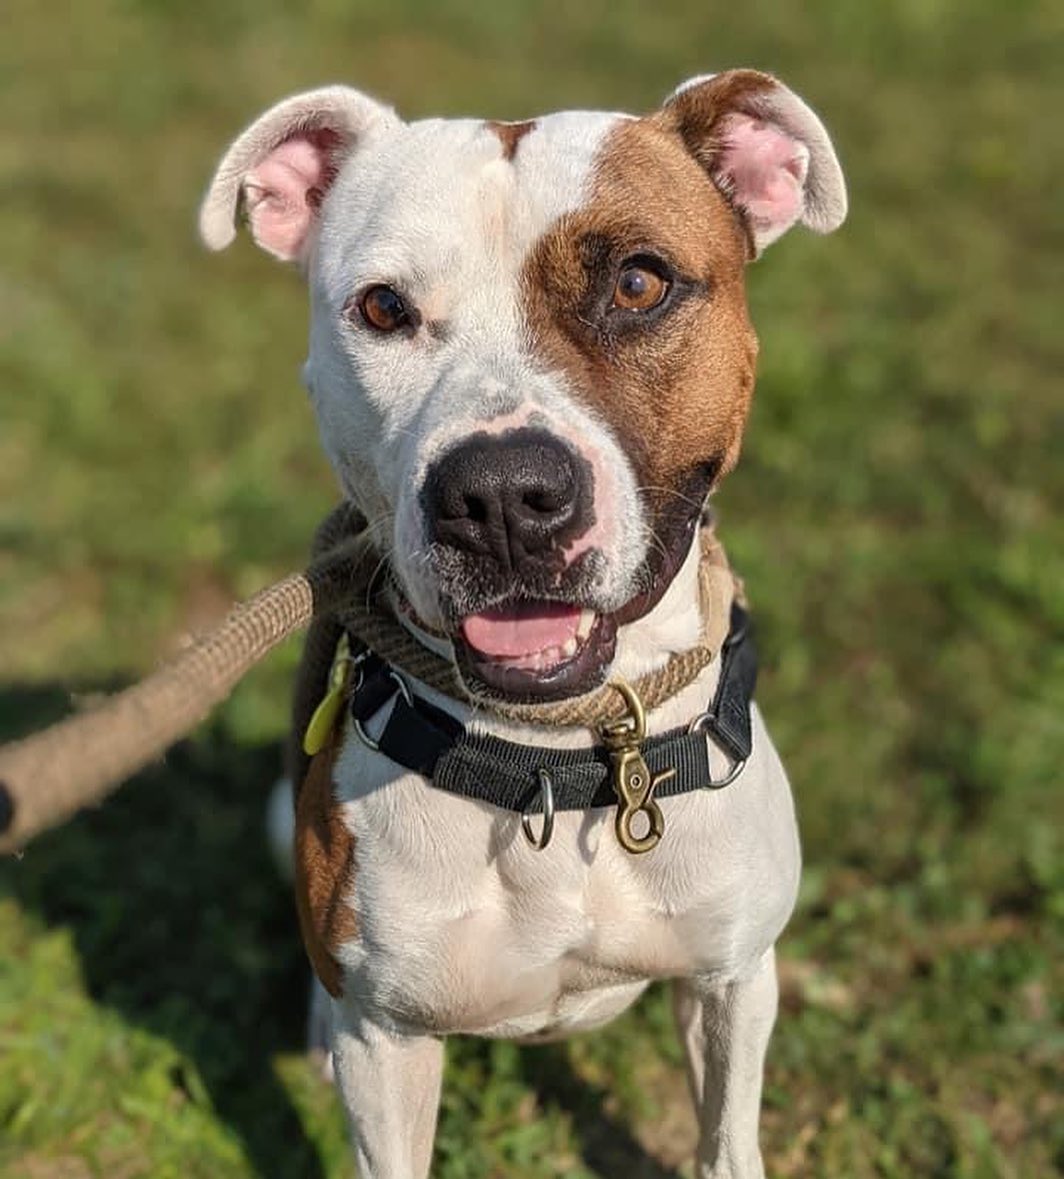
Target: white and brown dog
x=531, y=361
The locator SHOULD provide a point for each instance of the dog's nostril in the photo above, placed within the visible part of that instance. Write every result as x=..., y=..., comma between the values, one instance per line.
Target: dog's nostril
x=476, y=509
x=544, y=500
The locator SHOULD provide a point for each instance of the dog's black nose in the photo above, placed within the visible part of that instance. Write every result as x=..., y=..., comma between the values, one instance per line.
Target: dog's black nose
x=512, y=496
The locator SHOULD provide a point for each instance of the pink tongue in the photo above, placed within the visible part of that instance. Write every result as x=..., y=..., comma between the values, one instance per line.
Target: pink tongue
x=521, y=630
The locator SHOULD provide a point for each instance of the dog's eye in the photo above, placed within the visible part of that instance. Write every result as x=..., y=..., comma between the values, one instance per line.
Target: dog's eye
x=383, y=308
x=639, y=288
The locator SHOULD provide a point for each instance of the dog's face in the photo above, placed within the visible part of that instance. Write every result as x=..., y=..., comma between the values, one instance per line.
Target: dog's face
x=530, y=354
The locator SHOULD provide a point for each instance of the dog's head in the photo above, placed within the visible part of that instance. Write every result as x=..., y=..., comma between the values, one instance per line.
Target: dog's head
x=530, y=354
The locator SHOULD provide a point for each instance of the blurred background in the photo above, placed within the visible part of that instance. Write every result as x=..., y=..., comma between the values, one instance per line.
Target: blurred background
x=896, y=515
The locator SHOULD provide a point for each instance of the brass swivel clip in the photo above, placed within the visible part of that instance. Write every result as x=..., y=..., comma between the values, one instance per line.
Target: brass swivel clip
x=632, y=780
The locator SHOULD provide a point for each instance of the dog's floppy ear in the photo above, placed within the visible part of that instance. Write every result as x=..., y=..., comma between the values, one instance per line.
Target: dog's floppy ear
x=764, y=148
x=277, y=172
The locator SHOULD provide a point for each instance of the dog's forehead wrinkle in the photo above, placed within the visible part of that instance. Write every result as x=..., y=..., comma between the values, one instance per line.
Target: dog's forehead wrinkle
x=408, y=202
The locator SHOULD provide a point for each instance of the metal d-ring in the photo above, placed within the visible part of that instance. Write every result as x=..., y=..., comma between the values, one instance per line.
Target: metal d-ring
x=546, y=792
x=358, y=670
x=699, y=725
x=361, y=733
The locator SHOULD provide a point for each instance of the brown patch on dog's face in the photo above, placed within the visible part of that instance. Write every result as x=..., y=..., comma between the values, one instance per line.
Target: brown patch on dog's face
x=510, y=135
x=673, y=381
x=324, y=865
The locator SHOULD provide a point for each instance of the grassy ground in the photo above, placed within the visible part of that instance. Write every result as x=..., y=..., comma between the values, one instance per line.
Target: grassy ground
x=896, y=515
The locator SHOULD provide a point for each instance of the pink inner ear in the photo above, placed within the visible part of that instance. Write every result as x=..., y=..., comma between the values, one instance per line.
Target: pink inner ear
x=765, y=169
x=283, y=193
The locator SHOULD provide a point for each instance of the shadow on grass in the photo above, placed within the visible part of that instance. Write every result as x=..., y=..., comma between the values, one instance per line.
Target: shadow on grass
x=607, y=1145
x=181, y=922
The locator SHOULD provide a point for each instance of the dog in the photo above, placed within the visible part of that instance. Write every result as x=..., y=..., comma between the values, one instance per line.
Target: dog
x=531, y=362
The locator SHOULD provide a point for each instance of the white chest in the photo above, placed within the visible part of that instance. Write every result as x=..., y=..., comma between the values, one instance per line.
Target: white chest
x=464, y=927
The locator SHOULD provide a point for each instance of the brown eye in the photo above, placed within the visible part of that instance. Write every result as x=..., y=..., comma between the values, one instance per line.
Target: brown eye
x=383, y=308
x=639, y=289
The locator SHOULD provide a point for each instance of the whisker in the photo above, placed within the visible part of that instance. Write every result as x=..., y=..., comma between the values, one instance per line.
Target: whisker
x=381, y=564
x=697, y=504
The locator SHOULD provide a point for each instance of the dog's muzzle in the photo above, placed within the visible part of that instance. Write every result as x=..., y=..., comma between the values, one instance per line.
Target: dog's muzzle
x=503, y=513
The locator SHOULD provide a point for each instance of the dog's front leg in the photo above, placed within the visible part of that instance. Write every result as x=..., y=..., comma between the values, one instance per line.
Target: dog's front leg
x=390, y=1085
x=725, y=1028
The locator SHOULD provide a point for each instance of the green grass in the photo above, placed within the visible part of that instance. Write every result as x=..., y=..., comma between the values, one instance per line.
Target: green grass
x=896, y=514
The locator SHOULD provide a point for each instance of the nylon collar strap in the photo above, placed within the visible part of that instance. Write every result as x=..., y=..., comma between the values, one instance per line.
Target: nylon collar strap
x=429, y=741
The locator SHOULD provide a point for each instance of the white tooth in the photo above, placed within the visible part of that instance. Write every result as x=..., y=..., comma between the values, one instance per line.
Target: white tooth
x=587, y=621
x=570, y=647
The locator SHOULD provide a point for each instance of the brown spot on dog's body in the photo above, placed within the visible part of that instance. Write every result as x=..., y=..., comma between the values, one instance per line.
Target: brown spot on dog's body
x=510, y=135
x=324, y=862
x=674, y=383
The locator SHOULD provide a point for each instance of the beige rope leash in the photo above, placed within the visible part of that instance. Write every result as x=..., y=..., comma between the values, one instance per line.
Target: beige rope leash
x=46, y=777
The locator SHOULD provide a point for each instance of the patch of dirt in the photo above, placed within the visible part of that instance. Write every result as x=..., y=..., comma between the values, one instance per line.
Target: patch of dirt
x=37, y=1166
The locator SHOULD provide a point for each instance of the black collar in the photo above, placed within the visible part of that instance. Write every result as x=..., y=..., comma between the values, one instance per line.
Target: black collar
x=424, y=738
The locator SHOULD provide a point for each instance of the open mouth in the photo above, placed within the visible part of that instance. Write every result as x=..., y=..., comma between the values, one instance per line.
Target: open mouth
x=531, y=650
x=536, y=650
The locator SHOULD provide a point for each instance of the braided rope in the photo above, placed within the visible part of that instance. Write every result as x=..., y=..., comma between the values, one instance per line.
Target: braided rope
x=46, y=777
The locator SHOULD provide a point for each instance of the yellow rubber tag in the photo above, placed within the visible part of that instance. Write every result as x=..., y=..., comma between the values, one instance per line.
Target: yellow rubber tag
x=324, y=719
